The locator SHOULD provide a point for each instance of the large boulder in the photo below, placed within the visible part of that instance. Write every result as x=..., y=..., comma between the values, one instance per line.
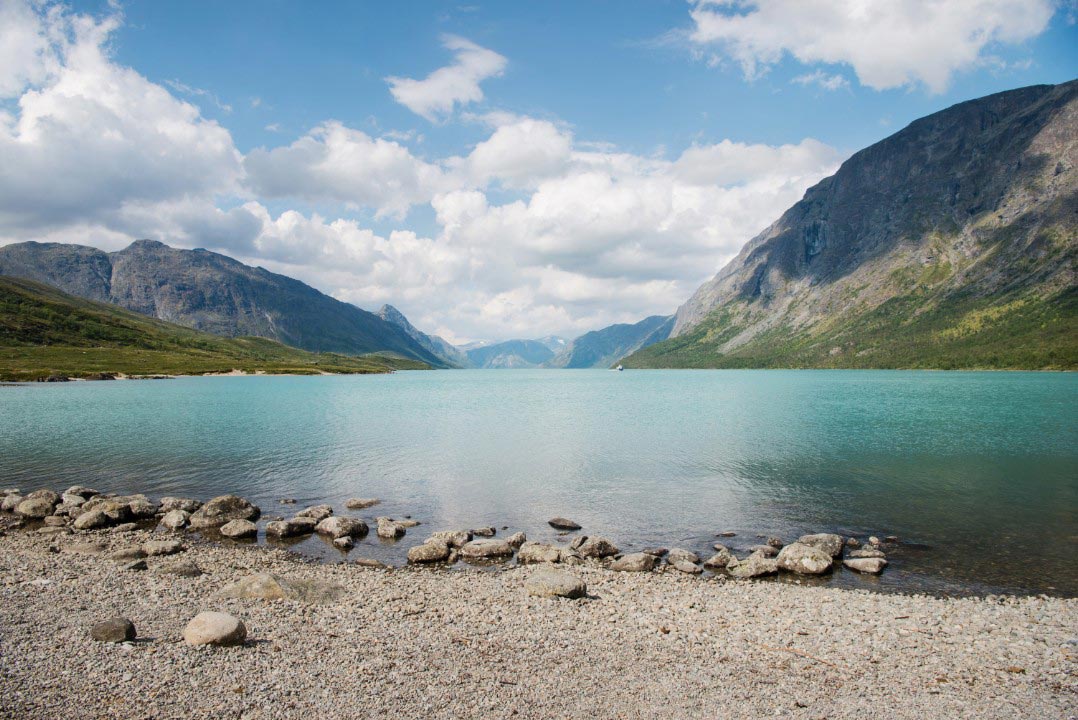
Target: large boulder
x=223, y=509
x=338, y=527
x=239, y=529
x=804, y=559
x=486, y=549
x=264, y=586
x=828, y=542
x=291, y=527
x=429, y=552
x=35, y=507
x=634, y=562
x=597, y=547
x=533, y=552
x=868, y=565
x=215, y=628
x=51, y=496
x=755, y=565
x=318, y=512
x=548, y=582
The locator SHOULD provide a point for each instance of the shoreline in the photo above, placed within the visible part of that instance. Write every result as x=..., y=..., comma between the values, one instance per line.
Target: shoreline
x=427, y=642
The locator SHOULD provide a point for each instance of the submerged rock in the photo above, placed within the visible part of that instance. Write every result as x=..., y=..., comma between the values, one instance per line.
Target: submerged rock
x=484, y=532
x=215, y=628
x=548, y=582
x=223, y=509
x=868, y=565
x=867, y=552
x=361, y=503
x=804, y=559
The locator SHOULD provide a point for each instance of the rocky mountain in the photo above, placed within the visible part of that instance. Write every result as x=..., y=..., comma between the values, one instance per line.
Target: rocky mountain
x=441, y=349
x=952, y=243
x=511, y=354
x=554, y=343
x=213, y=293
x=604, y=348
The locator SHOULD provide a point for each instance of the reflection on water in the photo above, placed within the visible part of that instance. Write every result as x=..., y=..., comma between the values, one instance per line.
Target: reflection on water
x=977, y=473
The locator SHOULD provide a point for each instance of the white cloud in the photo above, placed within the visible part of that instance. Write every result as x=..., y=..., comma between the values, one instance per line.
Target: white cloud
x=888, y=43
x=519, y=153
x=457, y=84
x=822, y=79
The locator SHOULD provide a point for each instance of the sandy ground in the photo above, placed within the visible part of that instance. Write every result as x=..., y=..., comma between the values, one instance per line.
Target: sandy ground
x=435, y=643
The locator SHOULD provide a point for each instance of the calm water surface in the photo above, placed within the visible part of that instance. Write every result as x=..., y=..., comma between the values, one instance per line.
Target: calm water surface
x=977, y=473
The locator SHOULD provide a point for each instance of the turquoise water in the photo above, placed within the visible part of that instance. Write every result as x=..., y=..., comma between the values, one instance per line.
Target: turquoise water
x=977, y=473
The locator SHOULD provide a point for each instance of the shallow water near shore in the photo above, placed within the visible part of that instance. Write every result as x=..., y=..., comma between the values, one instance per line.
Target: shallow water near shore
x=976, y=473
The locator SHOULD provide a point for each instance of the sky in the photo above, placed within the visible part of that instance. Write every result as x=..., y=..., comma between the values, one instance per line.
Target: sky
x=494, y=170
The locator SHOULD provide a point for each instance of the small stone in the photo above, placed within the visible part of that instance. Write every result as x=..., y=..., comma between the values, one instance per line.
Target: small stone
x=721, y=560
x=128, y=553
x=215, y=628
x=429, y=552
x=286, y=501
x=868, y=552
x=890, y=538
x=853, y=542
x=765, y=550
x=389, y=530
x=55, y=521
x=484, y=532
x=91, y=520
x=656, y=551
x=873, y=540
x=113, y=630
x=679, y=555
x=453, y=538
x=239, y=529
x=408, y=523
x=634, y=562
x=774, y=542
x=726, y=534
x=686, y=567
x=11, y=502
x=180, y=568
x=176, y=519
x=136, y=565
x=125, y=528
x=154, y=548
x=555, y=583
x=597, y=547
x=86, y=548
x=51, y=496
x=870, y=566
x=486, y=549
x=188, y=505
x=345, y=543
x=516, y=540
x=533, y=552
x=318, y=512
x=291, y=528
x=754, y=565
x=560, y=523
x=370, y=563
x=361, y=503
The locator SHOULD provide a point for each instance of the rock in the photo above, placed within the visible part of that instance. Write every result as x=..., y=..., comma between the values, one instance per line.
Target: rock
x=215, y=628
x=560, y=523
x=754, y=565
x=361, y=503
x=597, y=547
x=72, y=499
x=765, y=550
x=828, y=542
x=264, y=586
x=408, y=523
x=128, y=553
x=11, y=502
x=533, y=552
x=345, y=543
x=86, y=548
x=188, y=505
x=292, y=527
x=679, y=555
x=486, y=549
x=516, y=540
x=91, y=520
x=548, y=582
x=318, y=512
x=484, y=532
x=429, y=552
x=890, y=538
x=389, y=530
x=853, y=542
x=370, y=563
x=53, y=530
x=115, y=511
x=176, y=519
x=868, y=565
x=634, y=562
x=726, y=534
x=35, y=507
x=113, y=630
x=656, y=551
x=804, y=559
x=686, y=567
x=873, y=540
x=51, y=496
x=223, y=509
x=452, y=538
x=125, y=528
x=55, y=521
x=154, y=548
x=239, y=529
x=80, y=490
x=721, y=560
x=180, y=568
x=774, y=542
x=868, y=552
x=339, y=527
x=142, y=508
x=286, y=501
x=136, y=565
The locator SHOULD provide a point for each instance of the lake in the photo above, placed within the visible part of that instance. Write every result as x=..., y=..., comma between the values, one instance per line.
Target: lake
x=976, y=473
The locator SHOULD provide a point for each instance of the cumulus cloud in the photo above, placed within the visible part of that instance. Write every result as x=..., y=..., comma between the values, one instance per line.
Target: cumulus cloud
x=823, y=80
x=457, y=84
x=888, y=43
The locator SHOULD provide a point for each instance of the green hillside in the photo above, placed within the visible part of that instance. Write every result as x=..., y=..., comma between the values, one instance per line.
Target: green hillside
x=46, y=332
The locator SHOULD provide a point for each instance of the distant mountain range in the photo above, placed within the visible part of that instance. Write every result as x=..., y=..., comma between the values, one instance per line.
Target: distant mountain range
x=510, y=355
x=604, y=348
x=213, y=293
x=951, y=244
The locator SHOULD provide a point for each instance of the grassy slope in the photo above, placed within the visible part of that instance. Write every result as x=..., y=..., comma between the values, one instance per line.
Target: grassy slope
x=45, y=331
x=1016, y=331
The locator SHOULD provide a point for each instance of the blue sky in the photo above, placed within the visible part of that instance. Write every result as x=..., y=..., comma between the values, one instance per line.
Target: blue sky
x=602, y=158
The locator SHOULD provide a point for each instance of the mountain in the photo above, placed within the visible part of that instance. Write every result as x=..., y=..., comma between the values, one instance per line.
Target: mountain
x=554, y=343
x=211, y=292
x=511, y=354
x=950, y=244
x=603, y=348
x=436, y=346
x=46, y=332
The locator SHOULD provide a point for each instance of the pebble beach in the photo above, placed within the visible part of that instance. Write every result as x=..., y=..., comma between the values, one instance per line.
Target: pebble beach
x=429, y=642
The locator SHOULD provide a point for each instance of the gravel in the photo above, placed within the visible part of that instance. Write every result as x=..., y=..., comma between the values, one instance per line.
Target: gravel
x=426, y=642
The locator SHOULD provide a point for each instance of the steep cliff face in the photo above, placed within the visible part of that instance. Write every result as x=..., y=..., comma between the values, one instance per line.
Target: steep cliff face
x=949, y=244
x=603, y=348
x=440, y=348
x=210, y=292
